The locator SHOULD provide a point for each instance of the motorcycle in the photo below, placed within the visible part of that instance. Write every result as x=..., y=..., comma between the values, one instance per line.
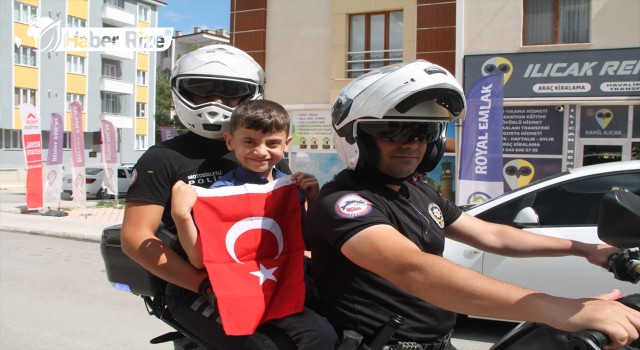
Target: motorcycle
x=618, y=220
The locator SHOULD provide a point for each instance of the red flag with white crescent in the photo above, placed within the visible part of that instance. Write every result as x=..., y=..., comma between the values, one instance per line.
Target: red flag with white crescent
x=253, y=251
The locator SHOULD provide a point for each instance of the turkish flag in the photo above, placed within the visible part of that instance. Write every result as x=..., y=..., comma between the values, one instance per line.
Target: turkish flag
x=253, y=251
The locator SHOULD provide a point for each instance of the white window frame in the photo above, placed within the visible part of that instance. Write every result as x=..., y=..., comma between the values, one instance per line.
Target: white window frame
x=24, y=13
x=141, y=109
x=74, y=97
x=25, y=56
x=76, y=64
x=141, y=142
x=144, y=13
x=76, y=22
x=25, y=95
x=141, y=77
x=110, y=71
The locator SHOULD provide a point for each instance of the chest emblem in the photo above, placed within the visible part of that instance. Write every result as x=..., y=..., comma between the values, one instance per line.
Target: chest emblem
x=436, y=214
x=352, y=205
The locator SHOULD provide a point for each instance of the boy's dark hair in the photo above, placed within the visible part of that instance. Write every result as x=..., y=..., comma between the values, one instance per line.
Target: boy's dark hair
x=263, y=115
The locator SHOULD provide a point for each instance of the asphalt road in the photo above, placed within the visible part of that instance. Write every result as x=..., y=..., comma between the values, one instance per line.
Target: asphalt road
x=55, y=294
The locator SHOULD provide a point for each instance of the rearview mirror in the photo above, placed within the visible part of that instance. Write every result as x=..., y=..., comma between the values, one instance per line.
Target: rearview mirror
x=619, y=219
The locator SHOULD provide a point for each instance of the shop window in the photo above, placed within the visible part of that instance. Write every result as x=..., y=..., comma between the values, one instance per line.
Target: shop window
x=548, y=22
x=596, y=154
x=375, y=40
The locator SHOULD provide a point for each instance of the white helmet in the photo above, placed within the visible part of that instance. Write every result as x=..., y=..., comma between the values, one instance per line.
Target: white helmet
x=220, y=70
x=402, y=102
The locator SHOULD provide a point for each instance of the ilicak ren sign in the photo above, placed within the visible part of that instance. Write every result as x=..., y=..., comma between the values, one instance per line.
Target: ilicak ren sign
x=586, y=73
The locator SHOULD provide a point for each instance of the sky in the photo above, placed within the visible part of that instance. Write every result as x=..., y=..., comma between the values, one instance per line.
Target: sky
x=184, y=15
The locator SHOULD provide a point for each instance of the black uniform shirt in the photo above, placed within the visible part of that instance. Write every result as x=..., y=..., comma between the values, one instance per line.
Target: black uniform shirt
x=356, y=298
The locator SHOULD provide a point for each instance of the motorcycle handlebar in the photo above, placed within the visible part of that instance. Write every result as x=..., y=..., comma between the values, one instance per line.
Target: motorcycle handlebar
x=587, y=340
x=625, y=266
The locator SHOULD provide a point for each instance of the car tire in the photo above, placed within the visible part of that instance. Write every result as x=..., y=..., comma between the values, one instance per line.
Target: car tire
x=102, y=194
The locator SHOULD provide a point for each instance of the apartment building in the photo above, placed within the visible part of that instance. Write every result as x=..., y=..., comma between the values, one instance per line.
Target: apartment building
x=118, y=85
x=187, y=42
x=571, y=67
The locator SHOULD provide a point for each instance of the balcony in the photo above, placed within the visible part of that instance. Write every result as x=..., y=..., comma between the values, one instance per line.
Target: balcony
x=118, y=55
x=112, y=84
x=117, y=16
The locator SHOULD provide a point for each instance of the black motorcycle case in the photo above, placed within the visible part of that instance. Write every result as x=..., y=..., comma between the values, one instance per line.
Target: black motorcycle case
x=124, y=273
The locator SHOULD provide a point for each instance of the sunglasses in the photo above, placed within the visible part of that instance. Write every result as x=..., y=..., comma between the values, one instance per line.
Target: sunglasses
x=403, y=132
x=207, y=87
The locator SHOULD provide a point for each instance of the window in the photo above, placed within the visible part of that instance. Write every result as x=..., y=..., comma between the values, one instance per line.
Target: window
x=141, y=141
x=141, y=77
x=25, y=55
x=141, y=109
x=109, y=70
x=23, y=95
x=24, y=13
x=74, y=97
x=75, y=22
x=143, y=13
x=556, y=21
x=115, y=3
x=573, y=203
x=11, y=139
x=75, y=64
x=375, y=40
x=111, y=103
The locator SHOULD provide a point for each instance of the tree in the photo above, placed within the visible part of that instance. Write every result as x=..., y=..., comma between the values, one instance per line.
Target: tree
x=164, y=104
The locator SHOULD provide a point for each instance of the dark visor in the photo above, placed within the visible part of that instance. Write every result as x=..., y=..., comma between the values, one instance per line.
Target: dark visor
x=402, y=132
x=212, y=87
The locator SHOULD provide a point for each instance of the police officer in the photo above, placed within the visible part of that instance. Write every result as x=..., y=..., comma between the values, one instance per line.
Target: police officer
x=377, y=233
x=207, y=84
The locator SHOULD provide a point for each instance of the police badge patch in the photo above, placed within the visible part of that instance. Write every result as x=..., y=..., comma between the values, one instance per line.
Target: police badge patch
x=352, y=205
x=436, y=214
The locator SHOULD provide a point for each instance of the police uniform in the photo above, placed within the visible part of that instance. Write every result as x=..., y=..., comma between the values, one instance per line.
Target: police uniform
x=198, y=161
x=355, y=298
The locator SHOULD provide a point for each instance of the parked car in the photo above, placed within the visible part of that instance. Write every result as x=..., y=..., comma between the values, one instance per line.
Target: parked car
x=565, y=205
x=95, y=187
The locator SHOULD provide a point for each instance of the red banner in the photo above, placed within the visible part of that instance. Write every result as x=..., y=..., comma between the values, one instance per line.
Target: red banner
x=253, y=251
x=32, y=144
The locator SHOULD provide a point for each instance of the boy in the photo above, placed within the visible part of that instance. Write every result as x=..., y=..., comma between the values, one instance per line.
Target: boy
x=259, y=136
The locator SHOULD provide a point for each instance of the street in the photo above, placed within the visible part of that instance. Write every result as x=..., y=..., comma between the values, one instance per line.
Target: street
x=55, y=294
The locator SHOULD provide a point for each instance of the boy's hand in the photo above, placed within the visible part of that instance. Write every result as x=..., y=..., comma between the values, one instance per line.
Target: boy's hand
x=307, y=184
x=183, y=198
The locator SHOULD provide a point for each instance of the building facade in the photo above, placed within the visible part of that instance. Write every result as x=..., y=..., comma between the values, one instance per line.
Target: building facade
x=114, y=85
x=573, y=67
x=187, y=42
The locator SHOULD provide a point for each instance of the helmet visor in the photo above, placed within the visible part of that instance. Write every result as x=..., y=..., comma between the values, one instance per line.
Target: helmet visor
x=402, y=132
x=207, y=87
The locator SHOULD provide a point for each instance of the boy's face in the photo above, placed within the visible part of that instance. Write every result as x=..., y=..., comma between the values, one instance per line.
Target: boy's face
x=257, y=151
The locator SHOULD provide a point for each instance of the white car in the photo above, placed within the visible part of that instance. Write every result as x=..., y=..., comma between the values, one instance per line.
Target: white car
x=95, y=187
x=564, y=205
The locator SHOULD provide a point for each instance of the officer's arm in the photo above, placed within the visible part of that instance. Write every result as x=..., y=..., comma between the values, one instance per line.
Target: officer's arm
x=141, y=220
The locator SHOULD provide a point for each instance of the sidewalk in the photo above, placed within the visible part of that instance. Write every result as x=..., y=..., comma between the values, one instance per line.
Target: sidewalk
x=85, y=225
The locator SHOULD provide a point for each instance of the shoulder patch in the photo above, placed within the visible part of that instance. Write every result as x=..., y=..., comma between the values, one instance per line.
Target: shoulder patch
x=352, y=205
x=436, y=214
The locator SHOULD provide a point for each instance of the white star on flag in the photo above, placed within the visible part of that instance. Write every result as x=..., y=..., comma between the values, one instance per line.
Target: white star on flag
x=265, y=274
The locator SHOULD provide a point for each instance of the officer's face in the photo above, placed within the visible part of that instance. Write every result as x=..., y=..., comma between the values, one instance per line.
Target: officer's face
x=399, y=160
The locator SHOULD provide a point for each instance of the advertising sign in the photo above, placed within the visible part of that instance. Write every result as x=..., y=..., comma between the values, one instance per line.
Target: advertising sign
x=78, y=175
x=109, y=156
x=32, y=143
x=53, y=168
x=583, y=73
